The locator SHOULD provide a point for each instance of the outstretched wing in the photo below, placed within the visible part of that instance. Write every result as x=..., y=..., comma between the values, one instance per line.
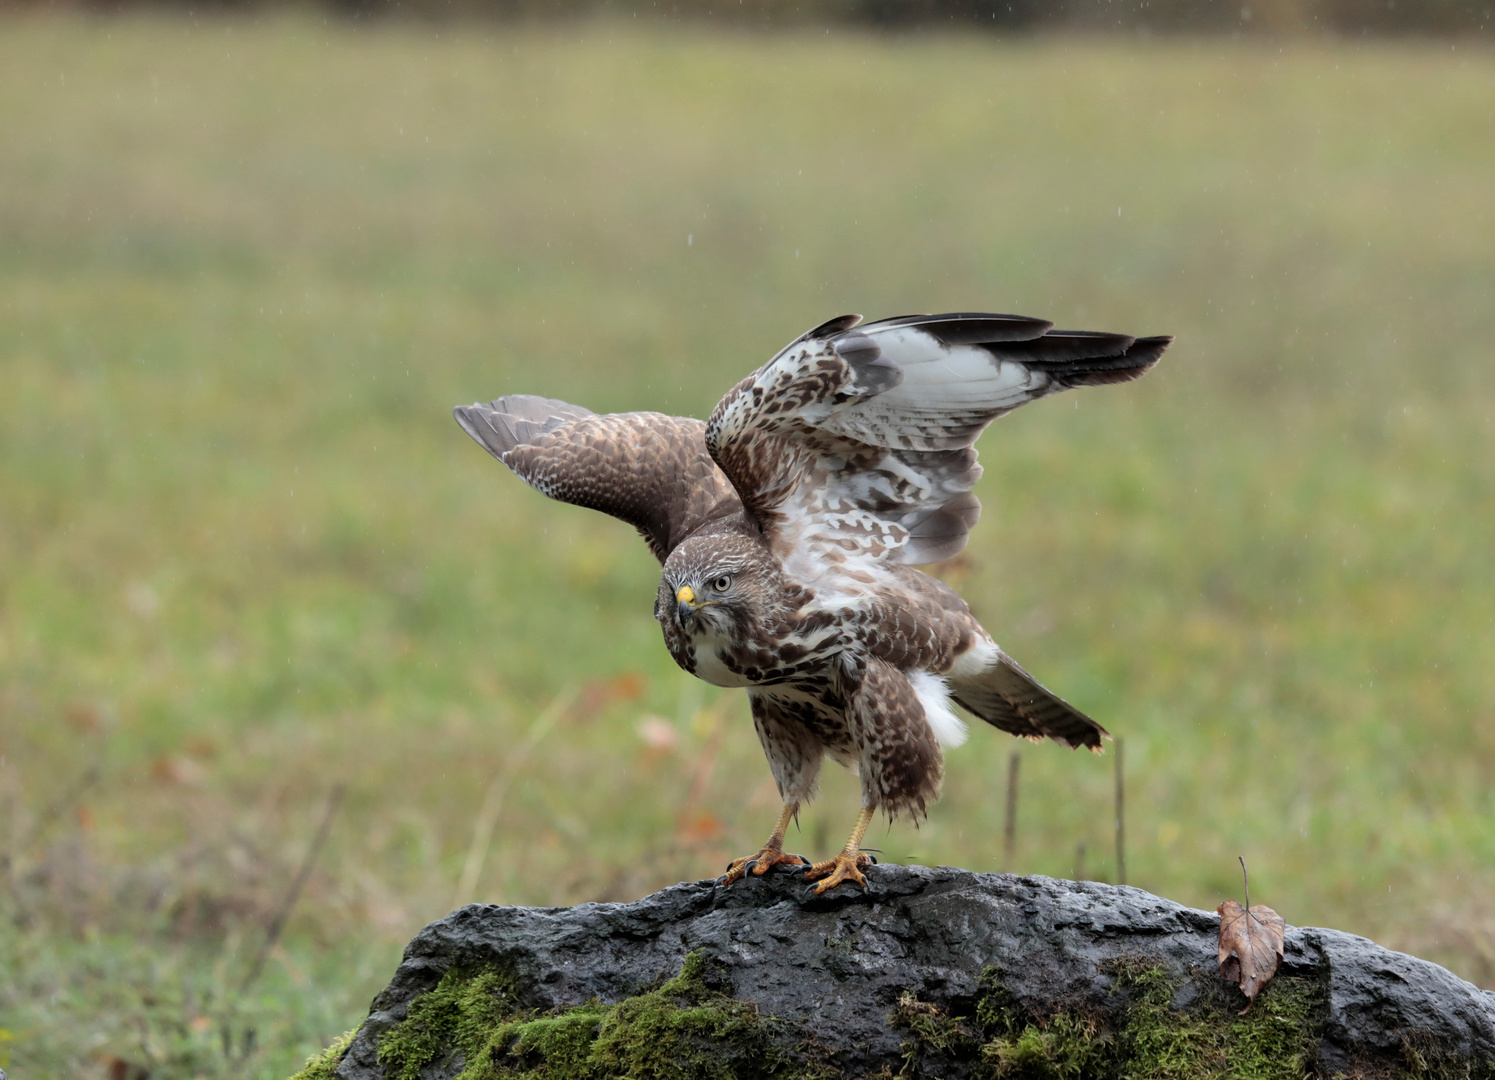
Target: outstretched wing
x=647, y=469
x=856, y=441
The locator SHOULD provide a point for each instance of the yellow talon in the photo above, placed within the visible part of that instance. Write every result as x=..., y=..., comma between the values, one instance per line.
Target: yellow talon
x=847, y=866
x=759, y=864
x=772, y=853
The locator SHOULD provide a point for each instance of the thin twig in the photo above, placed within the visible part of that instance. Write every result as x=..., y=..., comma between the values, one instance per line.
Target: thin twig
x=69, y=798
x=7, y=866
x=277, y=924
x=49, y=816
x=493, y=799
x=1120, y=817
x=1009, y=826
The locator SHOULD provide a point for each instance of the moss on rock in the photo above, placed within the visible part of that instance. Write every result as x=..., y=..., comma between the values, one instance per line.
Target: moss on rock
x=459, y=1016
x=684, y=1030
x=1275, y=1039
x=1146, y=1039
x=687, y=1030
x=998, y=1039
x=323, y=1064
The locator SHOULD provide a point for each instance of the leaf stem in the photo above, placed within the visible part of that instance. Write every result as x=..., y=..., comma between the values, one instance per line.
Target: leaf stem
x=1246, y=883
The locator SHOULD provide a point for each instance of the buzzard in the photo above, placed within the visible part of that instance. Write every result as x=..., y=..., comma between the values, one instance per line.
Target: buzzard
x=789, y=525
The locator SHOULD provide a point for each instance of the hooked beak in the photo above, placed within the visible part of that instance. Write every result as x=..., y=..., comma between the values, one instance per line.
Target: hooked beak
x=685, y=603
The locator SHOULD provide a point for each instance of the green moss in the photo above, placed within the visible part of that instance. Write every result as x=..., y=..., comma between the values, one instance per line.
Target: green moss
x=1278, y=1036
x=459, y=1015
x=687, y=1030
x=1066, y=1047
x=1160, y=1042
x=999, y=1040
x=550, y=1045
x=937, y=1036
x=1423, y=1058
x=1063, y=1045
x=684, y=1030
x=1272, y=1040
x=1146, y=1039
x=322, y=1065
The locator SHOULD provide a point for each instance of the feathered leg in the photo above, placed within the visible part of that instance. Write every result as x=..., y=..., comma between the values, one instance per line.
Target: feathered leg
x=794, y=753
x=898, y=759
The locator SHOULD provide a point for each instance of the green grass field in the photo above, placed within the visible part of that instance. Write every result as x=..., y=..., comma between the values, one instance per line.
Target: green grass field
x=246, y=268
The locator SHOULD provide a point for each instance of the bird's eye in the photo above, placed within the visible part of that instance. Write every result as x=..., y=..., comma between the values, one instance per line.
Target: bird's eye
x=723, y=583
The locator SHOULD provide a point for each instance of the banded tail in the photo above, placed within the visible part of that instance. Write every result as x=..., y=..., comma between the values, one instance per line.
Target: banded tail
x=1007, y=697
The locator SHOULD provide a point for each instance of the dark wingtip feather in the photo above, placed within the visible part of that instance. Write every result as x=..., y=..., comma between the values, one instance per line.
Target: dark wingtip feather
x=832, y=327
x=970, y=327
x=1082, y=358
x=828, y=329
x=1135, y=362
x=1092, y=738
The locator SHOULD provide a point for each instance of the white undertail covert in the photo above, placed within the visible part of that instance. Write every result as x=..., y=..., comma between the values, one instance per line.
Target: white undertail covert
x=934, y=695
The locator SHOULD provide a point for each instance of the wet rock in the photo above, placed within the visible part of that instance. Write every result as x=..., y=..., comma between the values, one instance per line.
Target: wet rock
x=948, y=972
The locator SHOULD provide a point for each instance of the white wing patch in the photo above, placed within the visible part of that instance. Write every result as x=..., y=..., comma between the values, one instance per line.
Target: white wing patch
x=970, y=665
x=948, y=396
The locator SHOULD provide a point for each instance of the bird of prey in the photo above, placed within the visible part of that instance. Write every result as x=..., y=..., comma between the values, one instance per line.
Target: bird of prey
x=789, y=525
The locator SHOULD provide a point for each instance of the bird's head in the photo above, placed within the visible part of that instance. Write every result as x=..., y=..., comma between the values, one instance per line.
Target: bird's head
x=714, y=582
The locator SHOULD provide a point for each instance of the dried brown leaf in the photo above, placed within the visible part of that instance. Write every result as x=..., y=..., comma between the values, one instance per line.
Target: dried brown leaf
x=1250, y=946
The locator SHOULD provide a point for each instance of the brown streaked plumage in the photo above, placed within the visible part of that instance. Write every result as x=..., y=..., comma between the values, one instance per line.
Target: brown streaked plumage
x=789, y=524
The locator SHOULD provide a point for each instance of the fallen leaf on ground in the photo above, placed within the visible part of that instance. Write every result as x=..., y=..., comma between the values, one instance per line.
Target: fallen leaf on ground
x=1250, y=946
x=658, y=734
x=176, y=769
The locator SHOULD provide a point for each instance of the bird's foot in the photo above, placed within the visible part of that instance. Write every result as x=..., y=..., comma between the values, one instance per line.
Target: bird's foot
x=847, y=866
x=769, y=856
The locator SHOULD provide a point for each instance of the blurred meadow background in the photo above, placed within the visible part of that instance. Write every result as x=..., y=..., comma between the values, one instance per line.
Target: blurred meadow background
x=249, y=566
